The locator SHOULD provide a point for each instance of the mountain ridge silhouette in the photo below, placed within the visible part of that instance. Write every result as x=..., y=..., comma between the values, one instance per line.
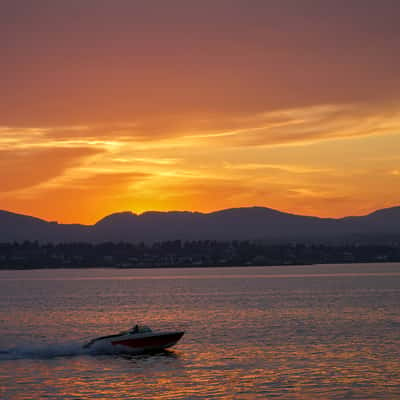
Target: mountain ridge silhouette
x=246, y=223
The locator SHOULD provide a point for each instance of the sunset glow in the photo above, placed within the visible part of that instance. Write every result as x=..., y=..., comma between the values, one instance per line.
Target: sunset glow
x=111, y=106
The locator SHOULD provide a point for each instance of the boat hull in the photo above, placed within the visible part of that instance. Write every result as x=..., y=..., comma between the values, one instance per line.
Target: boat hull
x=149, y=343
x=136, y=343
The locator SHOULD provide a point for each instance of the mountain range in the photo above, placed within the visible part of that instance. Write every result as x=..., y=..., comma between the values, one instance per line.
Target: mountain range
x=252, y=223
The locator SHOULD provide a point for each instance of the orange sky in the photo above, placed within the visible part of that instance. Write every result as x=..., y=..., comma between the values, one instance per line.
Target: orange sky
x=180, y=105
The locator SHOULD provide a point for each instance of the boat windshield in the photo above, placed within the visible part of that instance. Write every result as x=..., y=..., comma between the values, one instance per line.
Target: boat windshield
x=140, y=329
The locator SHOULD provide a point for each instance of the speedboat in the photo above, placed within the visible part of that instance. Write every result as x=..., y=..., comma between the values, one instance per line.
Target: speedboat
x=139, y=339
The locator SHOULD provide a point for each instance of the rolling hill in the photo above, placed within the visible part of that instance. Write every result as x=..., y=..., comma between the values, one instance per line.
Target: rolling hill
x=253, y=223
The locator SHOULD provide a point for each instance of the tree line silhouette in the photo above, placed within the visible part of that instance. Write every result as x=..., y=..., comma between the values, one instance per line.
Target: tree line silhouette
x=179, y=253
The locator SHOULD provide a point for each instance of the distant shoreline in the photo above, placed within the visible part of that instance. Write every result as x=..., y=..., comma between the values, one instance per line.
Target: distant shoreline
x=199, y=266
x=196, y=254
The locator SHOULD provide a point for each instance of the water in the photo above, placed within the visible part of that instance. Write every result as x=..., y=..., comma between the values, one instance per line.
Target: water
x=314, y=332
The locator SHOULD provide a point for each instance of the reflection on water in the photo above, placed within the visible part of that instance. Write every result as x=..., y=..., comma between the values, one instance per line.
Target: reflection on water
x=320, y=332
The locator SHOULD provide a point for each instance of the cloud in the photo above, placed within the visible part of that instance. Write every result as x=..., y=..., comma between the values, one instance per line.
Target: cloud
x=306, y=126
x=293, y=126
x=21, y=170
x=293, y=169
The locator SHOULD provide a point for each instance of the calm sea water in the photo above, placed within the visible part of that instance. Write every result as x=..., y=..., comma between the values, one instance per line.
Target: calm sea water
x=315, y=332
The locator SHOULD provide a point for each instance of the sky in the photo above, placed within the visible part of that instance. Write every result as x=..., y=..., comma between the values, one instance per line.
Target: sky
x=114, y=105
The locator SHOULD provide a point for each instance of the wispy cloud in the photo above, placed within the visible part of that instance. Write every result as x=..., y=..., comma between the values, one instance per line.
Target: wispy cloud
x=307, y=125
x=295, y=169
x=280, y=127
